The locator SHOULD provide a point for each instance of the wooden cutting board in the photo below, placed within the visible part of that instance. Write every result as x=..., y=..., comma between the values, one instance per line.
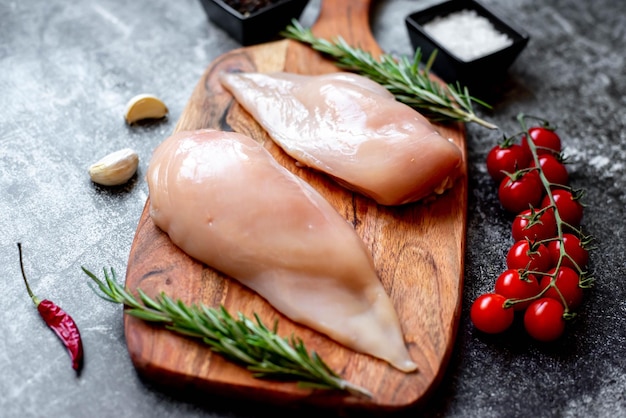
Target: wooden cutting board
x=417, y=249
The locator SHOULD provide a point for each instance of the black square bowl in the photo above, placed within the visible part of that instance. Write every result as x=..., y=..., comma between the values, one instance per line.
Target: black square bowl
x=481, y=72
x=258, y=26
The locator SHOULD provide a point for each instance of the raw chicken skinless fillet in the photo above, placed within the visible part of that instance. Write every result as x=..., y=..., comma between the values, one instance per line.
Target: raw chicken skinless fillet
x=223, y=199
x=352, y=129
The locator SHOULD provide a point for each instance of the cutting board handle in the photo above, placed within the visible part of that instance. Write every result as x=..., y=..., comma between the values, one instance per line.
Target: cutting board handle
x=349, y=19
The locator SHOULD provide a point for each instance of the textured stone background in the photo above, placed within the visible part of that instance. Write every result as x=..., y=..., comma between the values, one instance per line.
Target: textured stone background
x=67, y=70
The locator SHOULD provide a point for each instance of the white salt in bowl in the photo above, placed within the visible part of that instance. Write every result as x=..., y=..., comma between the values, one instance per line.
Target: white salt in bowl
x=474, y=46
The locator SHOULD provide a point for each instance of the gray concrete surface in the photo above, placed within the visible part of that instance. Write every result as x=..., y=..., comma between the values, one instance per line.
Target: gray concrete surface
x=67, y=70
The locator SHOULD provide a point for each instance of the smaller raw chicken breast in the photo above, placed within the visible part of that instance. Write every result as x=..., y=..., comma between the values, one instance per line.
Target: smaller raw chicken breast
x=354, y=130
x=224, y=200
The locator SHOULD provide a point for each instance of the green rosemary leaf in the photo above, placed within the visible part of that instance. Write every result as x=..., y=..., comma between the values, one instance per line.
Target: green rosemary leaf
x=204, y=329
x=212, y=319
x=233, y=350
x=322, y=364
x=242, y=340
x=170, y=306
x=429, y=63
x=147, y=315
x=102, y=295
x=104, y=290
x=403, y=78
x=146, y=300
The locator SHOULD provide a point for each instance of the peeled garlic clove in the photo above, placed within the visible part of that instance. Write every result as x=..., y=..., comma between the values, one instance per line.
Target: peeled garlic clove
x=116, y=168
x=144, y=106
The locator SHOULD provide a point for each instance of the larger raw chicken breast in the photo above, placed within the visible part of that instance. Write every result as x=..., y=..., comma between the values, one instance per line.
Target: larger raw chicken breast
x=353, y=129
x=224, y=200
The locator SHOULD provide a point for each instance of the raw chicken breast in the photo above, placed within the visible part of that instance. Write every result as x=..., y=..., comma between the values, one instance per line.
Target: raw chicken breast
x=224, y=200
x=352, y=129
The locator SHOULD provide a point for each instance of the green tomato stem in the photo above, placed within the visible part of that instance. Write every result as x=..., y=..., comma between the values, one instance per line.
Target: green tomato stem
x=560, y=224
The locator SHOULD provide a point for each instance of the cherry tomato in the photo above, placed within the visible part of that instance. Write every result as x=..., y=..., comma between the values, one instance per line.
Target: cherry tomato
x=546, y=140
x=507, y=159
x=570, y=209
x=489, y=314
x=524, y=255
x=567, y=282
x=534, y=226
x=576, y=252
x=519, y=194
x=554, y=170
x=512, y=284
x=543, y=319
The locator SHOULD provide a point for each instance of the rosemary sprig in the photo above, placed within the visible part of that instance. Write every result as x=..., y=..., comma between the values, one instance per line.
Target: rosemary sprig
x=239, y=339
x=402, y=77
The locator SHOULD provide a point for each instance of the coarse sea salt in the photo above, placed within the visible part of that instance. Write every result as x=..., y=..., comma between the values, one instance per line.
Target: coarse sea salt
x=467, y=34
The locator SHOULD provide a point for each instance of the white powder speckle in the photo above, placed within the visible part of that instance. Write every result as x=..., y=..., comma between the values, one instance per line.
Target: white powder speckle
x=599, y=161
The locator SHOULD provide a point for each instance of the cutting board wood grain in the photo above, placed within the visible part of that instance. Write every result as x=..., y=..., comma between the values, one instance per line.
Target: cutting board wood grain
x=417, y=250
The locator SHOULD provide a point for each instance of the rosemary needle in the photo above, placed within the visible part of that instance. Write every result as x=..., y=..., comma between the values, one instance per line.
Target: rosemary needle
x=402, y=77
x=239, y=339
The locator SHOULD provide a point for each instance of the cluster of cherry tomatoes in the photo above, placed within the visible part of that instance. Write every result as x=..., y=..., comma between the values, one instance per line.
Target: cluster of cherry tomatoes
x=546, y=266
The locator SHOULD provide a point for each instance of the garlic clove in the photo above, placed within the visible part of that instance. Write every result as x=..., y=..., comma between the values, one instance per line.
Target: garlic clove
x=144, y=106
x=115, y=169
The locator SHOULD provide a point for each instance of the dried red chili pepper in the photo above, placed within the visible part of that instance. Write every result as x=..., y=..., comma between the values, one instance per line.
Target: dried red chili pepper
x=59, y=321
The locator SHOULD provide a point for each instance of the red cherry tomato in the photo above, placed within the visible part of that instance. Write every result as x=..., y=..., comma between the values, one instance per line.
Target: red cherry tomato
x=489, y=314
x=546, y=140
x=567, y=282
x=519, y=194
x=514, y=285
x=543, y=320
x=533, y=257
x=534, y=226
x=576, y=252
x=507, y=159
x=570, y=209
x=554, y=170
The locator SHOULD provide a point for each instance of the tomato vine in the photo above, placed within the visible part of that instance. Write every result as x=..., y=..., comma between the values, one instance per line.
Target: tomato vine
x=547, y=265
